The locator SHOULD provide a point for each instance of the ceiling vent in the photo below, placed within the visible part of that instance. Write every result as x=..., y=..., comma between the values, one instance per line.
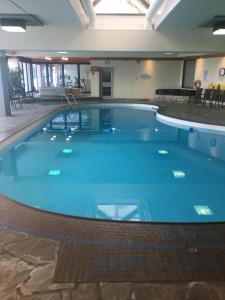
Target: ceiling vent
x=18, y=22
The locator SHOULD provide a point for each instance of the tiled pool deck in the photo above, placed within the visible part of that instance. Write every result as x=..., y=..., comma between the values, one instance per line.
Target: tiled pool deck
x=30, y=241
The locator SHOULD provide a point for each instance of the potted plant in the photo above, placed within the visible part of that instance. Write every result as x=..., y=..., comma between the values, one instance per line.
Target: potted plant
x=16, y=85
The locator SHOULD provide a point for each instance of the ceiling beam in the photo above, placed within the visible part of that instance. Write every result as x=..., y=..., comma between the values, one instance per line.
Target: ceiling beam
x=169, y=7
x=79, y=11
x=144, y=3
x=95, y=2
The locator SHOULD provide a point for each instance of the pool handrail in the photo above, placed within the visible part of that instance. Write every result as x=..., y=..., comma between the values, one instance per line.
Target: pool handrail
x=67, y=96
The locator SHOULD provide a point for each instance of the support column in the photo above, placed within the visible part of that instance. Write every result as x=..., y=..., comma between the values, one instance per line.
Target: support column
x=4, y=86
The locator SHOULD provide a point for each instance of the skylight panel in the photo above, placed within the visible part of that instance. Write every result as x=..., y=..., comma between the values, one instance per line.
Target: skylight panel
x=120, y=7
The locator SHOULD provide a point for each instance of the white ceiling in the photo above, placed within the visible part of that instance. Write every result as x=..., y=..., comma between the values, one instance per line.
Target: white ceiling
x=50, y=12
x=113, y=54
x=178, y=32
x=193, y=13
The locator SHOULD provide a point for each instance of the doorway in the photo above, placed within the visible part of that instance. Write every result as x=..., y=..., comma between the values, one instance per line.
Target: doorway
x=106, y=83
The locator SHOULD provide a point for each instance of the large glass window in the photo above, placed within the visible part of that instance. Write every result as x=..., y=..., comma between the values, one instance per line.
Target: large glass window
x=55, y=75
x=39, y=75
x=35, y=80
x=13, y=64
x=85, y=81
x=42, y=74
x=27, y=76
x=71, y=75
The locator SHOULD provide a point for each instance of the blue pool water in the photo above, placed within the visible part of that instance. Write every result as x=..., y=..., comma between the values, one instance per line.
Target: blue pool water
x=117, y=163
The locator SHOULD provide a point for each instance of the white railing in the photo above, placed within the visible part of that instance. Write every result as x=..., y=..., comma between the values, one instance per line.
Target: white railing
x=74, y=99
x=68, y=97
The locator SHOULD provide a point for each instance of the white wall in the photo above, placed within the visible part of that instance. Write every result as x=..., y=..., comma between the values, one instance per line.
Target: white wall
x=127, y=82
x=67, y=38
x=212, y=65
x=94, y=84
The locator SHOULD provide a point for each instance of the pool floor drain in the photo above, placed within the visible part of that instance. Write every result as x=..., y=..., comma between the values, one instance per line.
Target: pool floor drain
x=192, y=249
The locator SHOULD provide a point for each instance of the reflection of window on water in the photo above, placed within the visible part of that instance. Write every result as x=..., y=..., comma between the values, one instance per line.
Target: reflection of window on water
x=105, y=119
x=118, y=212
x=73, y=117
x=80, y=119
x=85, y=119
x=64, y=121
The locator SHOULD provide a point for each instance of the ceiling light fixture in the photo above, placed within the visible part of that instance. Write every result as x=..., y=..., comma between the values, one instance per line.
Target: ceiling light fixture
x=48, y=58
x=65, y=58
x=219, y=28
x=168, y=53
x=62, y=52
x=13, y=25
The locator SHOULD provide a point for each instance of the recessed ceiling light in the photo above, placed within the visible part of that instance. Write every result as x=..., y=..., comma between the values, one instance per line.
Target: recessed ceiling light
x=203, y=210
x=13, y=29
x=219, y=29
x=168, y=53
x=65, y=58
x=62, y=52
x=219, y=32
x=48, y=58
x=13, y=25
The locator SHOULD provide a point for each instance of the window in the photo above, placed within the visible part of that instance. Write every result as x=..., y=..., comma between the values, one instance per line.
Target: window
x=71, y=75
x=117, y=7
x=55, y=75
x=38, y=75
x=25, y=76
x=85, y=82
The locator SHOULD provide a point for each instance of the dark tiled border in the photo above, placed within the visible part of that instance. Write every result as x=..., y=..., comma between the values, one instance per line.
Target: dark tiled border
x=55, y=226
x=162, y=241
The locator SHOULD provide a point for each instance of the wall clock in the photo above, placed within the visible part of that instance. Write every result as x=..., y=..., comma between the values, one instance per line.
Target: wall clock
x=222, y=71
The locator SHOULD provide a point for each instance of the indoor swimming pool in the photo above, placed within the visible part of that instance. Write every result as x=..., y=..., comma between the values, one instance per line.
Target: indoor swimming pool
x=117, y=162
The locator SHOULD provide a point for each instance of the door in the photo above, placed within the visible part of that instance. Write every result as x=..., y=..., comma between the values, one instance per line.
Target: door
x=189, y=74
x=106, y=83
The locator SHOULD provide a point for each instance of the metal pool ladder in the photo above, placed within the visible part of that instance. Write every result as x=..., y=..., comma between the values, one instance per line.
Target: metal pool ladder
x=68, y=97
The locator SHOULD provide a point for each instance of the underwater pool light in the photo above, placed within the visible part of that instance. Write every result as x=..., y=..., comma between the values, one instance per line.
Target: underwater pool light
x=54, y=172
x=67, y=151
x=179, y=174
x=162, y=152
x=73, y=129
x=45, y=129
x=203, y=210
x=52, y=138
